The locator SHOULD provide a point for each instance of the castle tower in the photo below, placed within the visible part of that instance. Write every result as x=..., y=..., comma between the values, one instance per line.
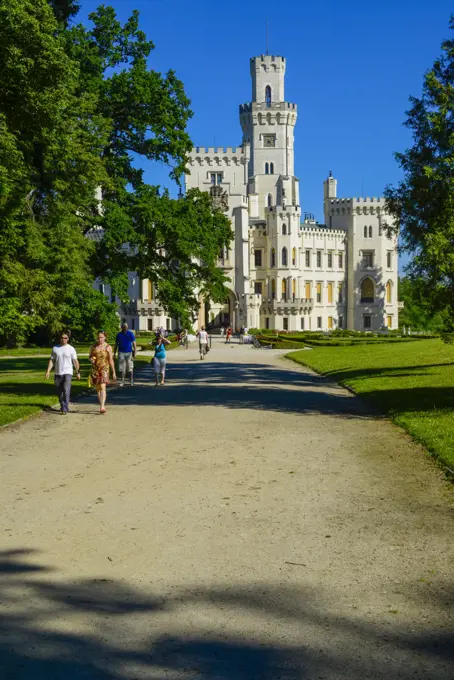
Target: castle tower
x=268, y=120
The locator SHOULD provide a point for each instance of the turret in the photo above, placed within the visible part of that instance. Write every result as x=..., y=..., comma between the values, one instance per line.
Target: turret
x=267, y=74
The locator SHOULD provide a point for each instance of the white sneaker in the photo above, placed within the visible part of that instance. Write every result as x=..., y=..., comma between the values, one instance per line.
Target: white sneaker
x=122, y=384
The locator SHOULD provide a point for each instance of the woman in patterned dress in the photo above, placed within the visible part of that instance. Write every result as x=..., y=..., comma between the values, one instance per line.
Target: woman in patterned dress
x=102, y=363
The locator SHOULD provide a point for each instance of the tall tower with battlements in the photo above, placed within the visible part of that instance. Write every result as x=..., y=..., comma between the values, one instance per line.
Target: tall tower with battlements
x=268, y=121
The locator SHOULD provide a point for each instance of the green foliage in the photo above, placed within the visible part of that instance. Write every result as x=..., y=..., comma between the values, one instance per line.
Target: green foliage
x=80, y=109
x=423, y=202
x=89, y=312
x=418, y=312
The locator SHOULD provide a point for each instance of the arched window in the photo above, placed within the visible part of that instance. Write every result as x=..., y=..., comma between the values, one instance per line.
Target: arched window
x=273, y=288
x=370, y=232
x=267, y=169
x=271, y=168
x=284, y=229
x=270, y=201
x=389, y=292
x=367, y=290
x=284, y=289
x=284, y=257
x=272, y=258
x=365, y=232
x=268, y=96
x=294, y=257
x=293, y=288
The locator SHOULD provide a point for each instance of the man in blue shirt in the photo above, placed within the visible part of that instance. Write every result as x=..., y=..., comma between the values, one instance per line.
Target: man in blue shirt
x=125, y=343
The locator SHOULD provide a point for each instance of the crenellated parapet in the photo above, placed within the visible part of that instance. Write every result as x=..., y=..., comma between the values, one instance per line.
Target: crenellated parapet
x=218, y=156
x=357, y=206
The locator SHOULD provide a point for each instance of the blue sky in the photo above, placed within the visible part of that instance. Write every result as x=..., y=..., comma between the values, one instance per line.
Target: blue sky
x=351, y=67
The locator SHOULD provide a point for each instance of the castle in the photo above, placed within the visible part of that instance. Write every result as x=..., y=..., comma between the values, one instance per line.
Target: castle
x=285, y=273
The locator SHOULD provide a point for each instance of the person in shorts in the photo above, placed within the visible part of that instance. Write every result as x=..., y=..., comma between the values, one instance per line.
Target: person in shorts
x=203, y=342
x=125, y=343
x=62, y=359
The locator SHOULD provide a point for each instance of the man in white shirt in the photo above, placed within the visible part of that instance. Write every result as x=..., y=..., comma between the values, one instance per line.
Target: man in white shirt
x=203, y=342
x=63, y=357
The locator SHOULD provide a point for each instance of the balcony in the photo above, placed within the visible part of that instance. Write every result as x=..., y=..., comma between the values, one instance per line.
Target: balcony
x=286, y=306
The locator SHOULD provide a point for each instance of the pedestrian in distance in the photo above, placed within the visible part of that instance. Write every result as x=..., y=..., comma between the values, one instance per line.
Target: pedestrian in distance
x=160, y=359
x=228, y=336
x=125, y=343
x=203, y=342
x=102, y=364
x=63, y=359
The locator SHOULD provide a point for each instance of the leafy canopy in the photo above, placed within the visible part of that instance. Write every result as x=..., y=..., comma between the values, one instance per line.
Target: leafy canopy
x=423, y=202
x=80, y=111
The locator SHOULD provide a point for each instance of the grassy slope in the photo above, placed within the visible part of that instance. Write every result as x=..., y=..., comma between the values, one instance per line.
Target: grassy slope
x=413, y=383
x=24, y=390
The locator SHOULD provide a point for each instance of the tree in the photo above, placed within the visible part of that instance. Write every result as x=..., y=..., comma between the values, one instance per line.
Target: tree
x=423, y=202
x=147, y=114
x=418, y=312
x=80, y=108
x=50, y=166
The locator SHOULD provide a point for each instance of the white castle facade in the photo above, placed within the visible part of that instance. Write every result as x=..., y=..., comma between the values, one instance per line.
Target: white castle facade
x=284, y=273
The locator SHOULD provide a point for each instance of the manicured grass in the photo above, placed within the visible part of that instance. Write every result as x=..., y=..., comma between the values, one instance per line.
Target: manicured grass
x=412, y=383
x=25, y=391
x=38, y=351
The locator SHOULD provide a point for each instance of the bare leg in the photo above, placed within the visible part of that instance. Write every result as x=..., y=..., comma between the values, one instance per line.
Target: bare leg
x=102, y=397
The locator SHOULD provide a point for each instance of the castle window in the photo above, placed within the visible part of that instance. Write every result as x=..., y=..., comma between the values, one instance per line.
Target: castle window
x=271, y=168
x=341, y=322
x=268, y=96
x=294, y=257
x=307, y=290
x=258, y=287
x=258, y=258
x=284, y=257
x=284, y=229
x=270, y=201
x=319, y=322
x=307, y=256
x=330, y=293
x=367, y=291
x=368, y=258
x=149, y=324
x=284, y=289
x=340, y=293
x=319, y=292
x=330, y=323
x=272, y=258
x=267, y=169
x=267, y=322
x=293, y=288
x=216, y=178
x=319, y=258
x=389, y=259
x=285, y=322
x=365, y=232
x=367, y=322
x=273, y=288
x=370, y=232
x=330, y=260
x=389, y=290
x=341, y=261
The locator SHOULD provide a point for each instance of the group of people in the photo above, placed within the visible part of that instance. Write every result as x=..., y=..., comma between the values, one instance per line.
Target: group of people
x=64, y=360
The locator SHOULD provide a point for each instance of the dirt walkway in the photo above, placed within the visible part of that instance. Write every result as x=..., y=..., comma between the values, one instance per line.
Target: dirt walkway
x=248, y=521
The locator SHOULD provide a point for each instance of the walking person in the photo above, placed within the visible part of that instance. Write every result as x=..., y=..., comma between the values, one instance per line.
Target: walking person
x=203, y=342
x=102, y=364
x=125, y=343
x=64, y=358
x=160, y=359
x=228, y=336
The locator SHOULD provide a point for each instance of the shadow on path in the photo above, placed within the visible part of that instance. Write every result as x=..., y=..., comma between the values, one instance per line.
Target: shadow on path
x=98, y=642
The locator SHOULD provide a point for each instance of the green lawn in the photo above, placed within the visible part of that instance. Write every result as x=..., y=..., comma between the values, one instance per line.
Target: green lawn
x=38, y=351
x=412, y=383
x=24, y=390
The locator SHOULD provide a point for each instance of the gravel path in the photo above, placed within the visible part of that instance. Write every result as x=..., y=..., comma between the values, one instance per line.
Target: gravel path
x=248, y=521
